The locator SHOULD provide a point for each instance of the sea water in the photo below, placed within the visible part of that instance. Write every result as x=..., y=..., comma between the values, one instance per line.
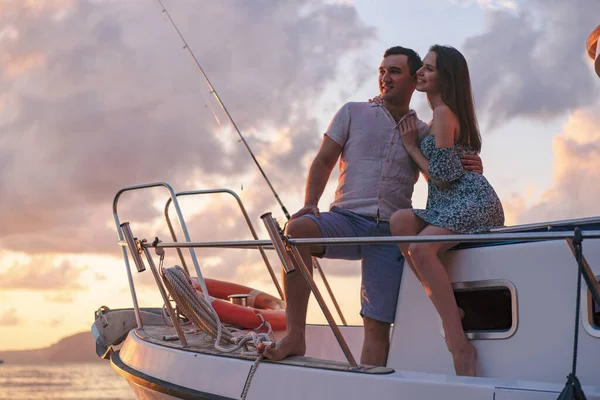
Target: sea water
x=63, y=381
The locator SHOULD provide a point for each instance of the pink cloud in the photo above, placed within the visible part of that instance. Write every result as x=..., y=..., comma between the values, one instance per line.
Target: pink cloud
x=576, y=169
x=41, y=274
x=118, y=102
x=10, y=318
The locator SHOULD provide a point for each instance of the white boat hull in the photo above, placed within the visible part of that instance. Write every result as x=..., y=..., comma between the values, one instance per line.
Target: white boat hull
x=157, y=372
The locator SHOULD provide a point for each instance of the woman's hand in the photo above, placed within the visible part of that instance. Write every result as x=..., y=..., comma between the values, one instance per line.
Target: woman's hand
x=377, y=100
x=409, y=133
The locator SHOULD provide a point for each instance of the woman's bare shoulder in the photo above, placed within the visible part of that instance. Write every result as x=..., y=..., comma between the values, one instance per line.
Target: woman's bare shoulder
x=444, y=112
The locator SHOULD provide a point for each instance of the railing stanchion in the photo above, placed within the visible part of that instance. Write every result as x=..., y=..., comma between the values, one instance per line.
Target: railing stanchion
x=296, y=260
x=135, y=253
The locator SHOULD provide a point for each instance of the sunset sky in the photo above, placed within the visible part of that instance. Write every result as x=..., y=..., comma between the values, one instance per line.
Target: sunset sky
x=96, y=95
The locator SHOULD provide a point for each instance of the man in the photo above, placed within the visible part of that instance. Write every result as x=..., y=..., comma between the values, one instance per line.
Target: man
x=377, y=177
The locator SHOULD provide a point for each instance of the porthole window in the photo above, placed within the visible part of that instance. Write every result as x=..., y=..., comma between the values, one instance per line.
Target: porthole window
x=490, y=308
x=593, y=311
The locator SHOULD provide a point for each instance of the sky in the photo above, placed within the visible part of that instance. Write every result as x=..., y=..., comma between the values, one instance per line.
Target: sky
x=96, y=95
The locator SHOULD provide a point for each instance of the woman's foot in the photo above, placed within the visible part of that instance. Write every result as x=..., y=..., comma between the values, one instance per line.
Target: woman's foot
x=288, y=346
x=465, y=360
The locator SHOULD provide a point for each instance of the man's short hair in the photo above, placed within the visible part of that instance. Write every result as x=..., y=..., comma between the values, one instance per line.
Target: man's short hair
x=414, y=60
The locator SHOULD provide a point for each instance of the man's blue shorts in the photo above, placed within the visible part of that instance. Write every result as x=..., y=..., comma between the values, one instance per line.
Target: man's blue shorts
x=381, y=264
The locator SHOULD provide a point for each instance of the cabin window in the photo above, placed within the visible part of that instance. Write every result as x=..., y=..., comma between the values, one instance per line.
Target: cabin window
x=490, y=308
x=594, y=311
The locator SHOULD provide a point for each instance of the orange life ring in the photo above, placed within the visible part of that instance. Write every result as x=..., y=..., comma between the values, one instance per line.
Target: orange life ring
x=269, y=307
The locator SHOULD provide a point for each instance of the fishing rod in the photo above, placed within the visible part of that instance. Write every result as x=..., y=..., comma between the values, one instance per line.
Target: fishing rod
x=215, y=94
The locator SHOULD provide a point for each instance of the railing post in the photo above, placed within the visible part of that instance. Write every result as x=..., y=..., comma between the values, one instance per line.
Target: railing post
x=133, y=247
x=273, y=231
x=125, y=234
x=296, y=260
x=585, y=270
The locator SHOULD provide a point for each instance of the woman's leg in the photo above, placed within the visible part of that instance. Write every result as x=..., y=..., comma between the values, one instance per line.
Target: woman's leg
x=435, y=280
x=406, y=223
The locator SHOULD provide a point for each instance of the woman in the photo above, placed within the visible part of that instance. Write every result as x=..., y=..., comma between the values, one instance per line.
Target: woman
x=459, y=201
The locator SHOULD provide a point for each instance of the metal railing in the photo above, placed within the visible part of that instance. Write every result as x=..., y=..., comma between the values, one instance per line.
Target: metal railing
x=136, y=251
x=547, y=225
x=286, y=249
x=480, y=237
x=246, y=218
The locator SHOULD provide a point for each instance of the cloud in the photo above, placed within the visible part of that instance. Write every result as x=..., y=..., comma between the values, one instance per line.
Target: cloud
x=10, y=318
x=532, y=63
x=98, y=276
x=98, y=95
x=62, y=297
x=576, y=168
x=40, y=273
x=489, y=4
x=55, y=322
x=18, y=64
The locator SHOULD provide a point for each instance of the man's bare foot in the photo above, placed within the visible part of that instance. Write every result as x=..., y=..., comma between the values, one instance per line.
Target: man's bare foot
x=465, y=360
x=288, y=346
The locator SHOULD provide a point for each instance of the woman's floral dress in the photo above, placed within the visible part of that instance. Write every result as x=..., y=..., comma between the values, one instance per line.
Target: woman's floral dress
x=469, y=204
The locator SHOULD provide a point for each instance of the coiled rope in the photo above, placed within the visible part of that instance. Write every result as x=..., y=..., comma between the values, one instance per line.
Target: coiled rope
x=201, y=313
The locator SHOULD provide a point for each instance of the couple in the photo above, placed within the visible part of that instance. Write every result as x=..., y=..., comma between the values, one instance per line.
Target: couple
x=383, y=146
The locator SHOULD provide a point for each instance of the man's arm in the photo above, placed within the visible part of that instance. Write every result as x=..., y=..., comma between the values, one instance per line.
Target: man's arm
x=318, y=175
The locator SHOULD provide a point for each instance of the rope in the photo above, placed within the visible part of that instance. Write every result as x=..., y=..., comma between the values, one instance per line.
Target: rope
x=164, y=314
x=201, y=313
x=250, y=376
x=573, y=390
x=578, y=257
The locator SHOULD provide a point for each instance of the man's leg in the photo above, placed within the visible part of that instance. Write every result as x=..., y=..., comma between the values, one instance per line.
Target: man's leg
x=297, y=293
x=377, y=342
x=378, y=301
x=382, y=267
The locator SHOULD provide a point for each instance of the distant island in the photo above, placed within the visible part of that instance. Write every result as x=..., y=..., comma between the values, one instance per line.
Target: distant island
x=80, y=347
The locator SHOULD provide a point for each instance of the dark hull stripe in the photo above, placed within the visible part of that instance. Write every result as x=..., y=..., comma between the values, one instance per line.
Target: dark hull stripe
x=159, y=385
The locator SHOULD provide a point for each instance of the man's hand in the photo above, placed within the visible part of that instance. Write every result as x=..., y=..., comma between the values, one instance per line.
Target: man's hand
x=409, y=133
x=307, y=209
x=472, y=162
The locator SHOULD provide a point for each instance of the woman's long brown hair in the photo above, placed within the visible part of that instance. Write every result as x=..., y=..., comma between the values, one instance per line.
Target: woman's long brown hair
x=455, y=87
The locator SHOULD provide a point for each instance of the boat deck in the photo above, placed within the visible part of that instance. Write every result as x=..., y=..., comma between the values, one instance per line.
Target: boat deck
x=203, y=344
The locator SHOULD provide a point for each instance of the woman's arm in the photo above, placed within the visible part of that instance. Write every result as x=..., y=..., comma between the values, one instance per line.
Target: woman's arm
x=444, y=162
x=409, y=134
x=443, y=166
x=444, y=126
